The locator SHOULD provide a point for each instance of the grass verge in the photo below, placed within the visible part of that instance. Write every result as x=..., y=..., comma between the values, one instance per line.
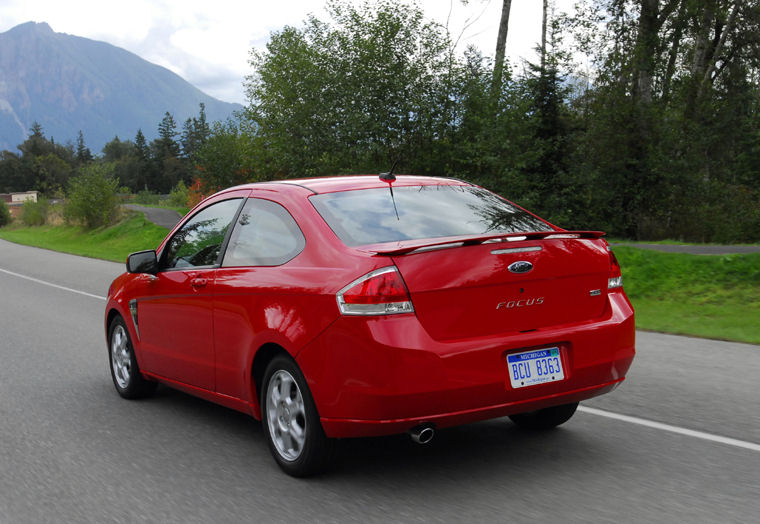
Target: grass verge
x=700, y=295
x=182, y=210
x=114, y=243
x=705, y=296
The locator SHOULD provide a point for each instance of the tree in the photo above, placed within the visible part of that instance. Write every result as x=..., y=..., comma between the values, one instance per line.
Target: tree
x=166, y=146
x=127, y=166
x=166, y=167
x=355, y=93
x=225, y=159
x=43, y=164
x=195, y=133
x=91, y=196
x=83, y=155
x=143, y=168
x=5, y=214
x=141, y=146
x=11, y=176
x=116, y=150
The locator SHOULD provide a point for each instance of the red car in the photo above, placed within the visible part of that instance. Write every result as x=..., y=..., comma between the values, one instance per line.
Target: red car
x=364, y=305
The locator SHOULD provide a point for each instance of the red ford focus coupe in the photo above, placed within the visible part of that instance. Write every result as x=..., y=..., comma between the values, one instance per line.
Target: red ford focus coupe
x=364, y=305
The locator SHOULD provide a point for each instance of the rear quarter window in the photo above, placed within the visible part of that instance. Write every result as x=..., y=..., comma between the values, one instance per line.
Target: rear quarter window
x=265, y=235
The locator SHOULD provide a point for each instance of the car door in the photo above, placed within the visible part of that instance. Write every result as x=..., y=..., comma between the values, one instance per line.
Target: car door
x=176, y=316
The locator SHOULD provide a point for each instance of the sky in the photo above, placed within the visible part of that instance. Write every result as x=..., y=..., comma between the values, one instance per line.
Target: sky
x=208, y=42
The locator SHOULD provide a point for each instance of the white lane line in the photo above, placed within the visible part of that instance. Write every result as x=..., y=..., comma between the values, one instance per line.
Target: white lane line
x=51, y=284
x=673, y=429
x=592, y=411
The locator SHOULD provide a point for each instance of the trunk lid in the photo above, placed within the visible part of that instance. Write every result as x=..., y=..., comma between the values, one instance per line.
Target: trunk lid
x=469, y=291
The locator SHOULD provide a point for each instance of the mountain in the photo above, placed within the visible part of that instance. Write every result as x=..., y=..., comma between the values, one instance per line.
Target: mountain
x=68, y=83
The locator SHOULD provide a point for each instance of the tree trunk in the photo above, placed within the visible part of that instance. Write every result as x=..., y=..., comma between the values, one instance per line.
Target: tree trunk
x=647, y=39
x=707, y=79
x=501, y=44
x=543, y=37
x=674, y=48
x=698, y=65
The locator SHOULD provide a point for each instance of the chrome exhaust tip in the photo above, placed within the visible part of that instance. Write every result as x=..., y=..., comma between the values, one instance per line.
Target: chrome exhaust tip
x=422, y=434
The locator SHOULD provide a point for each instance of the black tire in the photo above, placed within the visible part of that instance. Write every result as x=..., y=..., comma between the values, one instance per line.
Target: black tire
x=547, y=418
x=125, y=372
x=290, y=421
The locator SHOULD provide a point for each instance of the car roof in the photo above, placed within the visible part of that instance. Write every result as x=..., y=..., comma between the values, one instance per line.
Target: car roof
x=332, y=184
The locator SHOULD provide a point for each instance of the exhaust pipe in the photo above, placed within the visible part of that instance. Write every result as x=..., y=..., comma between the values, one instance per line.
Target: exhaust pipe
x=422, y=434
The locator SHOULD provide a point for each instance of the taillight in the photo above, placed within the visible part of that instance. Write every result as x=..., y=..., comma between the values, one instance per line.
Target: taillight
x=616, y=278
x=379, y=292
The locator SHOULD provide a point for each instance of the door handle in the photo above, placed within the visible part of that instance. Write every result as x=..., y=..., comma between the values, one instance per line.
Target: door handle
x=198, y=282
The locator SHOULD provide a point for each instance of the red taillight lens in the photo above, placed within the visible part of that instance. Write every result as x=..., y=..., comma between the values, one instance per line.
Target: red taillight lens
x=379, y=292
x=616, y=278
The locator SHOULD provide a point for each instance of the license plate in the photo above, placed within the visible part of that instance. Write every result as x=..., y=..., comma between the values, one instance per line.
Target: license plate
x=535, y=367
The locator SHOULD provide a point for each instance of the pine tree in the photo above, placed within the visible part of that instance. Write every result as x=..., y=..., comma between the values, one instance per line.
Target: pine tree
x=83, y=154
x=141, y=145
x=166, y=146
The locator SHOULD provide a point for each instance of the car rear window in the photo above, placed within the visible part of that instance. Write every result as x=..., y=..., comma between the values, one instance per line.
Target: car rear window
x=368, y=216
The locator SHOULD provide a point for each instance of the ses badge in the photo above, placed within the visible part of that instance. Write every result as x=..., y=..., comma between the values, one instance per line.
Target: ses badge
x=535, y=367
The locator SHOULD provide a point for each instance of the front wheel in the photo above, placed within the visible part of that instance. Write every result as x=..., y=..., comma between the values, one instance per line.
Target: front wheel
x=125, y=372
x=546, y=418
x=291, y=424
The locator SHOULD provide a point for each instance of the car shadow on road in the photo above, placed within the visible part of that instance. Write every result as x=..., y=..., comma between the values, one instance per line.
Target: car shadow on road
x=477, y=449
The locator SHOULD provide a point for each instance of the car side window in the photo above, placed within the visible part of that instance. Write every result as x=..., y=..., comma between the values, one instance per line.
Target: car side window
x=265, y=235
x=200, y=240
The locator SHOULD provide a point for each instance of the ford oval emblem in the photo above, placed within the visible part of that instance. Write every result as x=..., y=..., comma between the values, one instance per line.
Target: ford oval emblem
x=521, y=266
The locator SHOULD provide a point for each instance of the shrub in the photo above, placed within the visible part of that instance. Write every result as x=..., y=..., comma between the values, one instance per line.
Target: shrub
x=92, y=198
x=196, y=193
x=147, y=197
x=35, y=213
x=124, y=194
x=5, y=214
x=178, y=195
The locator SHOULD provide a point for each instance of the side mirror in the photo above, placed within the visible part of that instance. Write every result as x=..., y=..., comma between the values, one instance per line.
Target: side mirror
x=143, y=262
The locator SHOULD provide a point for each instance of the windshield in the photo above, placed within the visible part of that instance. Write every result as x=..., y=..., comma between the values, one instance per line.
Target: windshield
x=368, y=216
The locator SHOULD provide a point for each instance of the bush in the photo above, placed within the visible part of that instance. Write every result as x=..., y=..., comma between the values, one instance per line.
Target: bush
x=178, y=195
x=35, y=213
x=92, y=198
x=147, y=197
x=5, y=214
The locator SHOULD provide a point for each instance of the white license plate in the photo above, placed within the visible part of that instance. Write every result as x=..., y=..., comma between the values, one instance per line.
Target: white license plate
x=535, y=367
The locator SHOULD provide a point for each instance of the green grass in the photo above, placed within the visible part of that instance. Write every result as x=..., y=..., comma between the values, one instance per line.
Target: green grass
x=179, y=209
x=134, y=233
x=705, y=296
x=667, y=242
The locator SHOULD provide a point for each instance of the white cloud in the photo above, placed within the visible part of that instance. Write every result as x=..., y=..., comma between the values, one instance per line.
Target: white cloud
x=207, y=43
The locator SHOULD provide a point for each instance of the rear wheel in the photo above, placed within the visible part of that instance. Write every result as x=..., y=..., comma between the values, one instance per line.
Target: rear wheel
x=546, y=418
x=125, y=372
x=291, y=423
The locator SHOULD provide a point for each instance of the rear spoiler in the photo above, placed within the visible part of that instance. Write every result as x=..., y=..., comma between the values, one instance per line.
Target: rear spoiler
x=409, y=246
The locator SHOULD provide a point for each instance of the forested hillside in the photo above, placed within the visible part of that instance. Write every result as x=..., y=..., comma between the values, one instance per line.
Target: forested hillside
x=640, y=117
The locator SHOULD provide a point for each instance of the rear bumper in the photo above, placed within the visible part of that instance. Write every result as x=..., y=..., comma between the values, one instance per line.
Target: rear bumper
x=379, y=376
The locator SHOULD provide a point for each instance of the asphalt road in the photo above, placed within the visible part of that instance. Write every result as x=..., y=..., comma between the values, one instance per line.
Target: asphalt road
x=160, y=216
x=71, y=450
x=696, y=249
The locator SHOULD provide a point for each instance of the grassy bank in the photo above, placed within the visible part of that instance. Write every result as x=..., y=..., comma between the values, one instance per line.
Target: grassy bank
x=134, y=233
x=706, y=296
